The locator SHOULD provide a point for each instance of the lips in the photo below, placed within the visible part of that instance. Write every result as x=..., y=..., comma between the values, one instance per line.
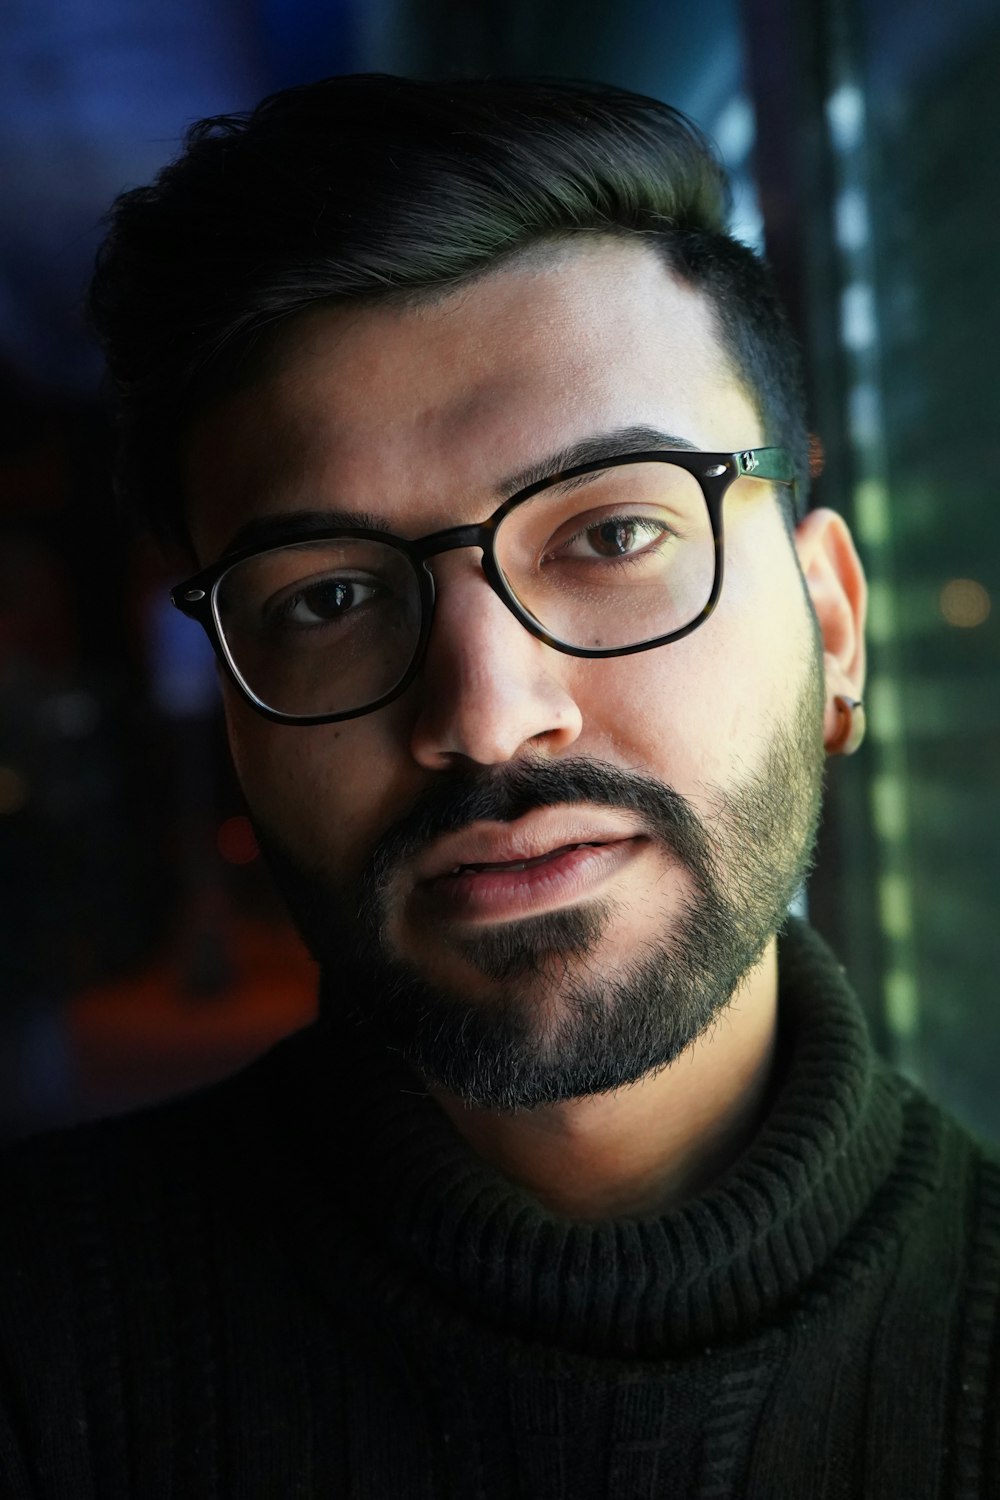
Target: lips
x=535, y=838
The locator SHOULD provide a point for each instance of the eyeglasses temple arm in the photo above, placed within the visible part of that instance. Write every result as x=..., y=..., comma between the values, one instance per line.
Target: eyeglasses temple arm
x=773, y=464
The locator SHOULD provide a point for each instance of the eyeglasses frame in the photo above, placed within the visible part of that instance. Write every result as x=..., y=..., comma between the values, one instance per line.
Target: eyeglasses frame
x=715, y=473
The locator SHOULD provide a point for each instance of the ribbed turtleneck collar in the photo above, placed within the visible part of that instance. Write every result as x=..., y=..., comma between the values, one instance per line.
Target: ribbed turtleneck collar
x=710, y=1270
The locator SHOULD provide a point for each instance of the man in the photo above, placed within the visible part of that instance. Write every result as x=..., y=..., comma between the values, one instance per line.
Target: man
x=587, y=1182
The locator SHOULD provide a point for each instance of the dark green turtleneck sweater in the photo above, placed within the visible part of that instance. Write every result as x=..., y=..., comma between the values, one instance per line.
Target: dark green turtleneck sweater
x=302, y=1282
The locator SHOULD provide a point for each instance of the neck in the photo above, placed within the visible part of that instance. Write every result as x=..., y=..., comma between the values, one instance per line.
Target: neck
x=648, y=1147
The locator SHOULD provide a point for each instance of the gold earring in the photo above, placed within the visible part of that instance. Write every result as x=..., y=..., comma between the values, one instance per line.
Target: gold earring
x=850, y=726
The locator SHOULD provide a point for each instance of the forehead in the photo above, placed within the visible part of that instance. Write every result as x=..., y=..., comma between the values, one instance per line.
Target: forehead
x=416, y=411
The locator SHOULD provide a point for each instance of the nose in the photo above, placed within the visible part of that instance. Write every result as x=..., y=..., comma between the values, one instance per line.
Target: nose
x=488, y=688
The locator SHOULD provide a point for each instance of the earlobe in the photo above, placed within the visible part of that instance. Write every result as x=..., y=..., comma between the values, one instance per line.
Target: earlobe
x=835, y=582
x=851, y=725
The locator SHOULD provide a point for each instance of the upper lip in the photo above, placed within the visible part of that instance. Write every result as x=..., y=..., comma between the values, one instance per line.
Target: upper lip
x=529, y=837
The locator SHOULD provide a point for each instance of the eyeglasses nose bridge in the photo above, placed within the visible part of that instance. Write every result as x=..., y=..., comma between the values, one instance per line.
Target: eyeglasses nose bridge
x=453, y=538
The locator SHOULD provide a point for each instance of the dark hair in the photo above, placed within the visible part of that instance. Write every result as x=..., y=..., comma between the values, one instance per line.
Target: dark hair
x=366, y=186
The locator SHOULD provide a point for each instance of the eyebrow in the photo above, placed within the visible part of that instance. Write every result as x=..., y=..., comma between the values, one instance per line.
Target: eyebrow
x=591, y=450
x=290, y=526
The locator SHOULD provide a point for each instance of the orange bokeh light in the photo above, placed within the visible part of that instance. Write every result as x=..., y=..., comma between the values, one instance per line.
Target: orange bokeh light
x=236, y=841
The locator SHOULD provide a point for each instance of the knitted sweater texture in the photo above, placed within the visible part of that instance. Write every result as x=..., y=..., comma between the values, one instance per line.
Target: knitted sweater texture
x=302, y=1283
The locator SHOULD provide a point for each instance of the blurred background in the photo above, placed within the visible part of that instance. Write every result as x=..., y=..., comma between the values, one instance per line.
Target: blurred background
x=141, y=947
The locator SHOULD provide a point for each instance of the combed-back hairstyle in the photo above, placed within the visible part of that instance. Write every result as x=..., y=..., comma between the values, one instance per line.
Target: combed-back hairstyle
x=366, y=186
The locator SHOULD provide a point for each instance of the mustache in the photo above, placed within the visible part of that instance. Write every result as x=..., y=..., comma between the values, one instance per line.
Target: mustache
x=507, y=793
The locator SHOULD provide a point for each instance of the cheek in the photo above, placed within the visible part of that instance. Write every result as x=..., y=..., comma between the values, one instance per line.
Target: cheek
x=322, y=789
x=660, y=712
x=697, y=711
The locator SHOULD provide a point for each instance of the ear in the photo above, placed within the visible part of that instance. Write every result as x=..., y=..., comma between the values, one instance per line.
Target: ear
x=835, y=581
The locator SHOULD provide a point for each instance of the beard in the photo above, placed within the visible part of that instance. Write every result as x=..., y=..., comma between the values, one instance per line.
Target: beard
x=552, y=1025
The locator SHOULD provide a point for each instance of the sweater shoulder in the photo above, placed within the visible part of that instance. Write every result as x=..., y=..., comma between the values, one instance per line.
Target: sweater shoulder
x=927, y=1116
x=944, y=1195
x=120, y=1241
x=64, y=1183
x=963, y=1162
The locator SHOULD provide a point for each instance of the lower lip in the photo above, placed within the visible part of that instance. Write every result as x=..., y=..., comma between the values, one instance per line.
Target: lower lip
x=496, y=895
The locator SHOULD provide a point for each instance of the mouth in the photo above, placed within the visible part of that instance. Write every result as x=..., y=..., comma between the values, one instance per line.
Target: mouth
x=503, y=890
x=510, y=866
x=539, y=836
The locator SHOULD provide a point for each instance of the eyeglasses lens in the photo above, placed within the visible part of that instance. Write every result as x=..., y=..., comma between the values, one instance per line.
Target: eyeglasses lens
x=613, y=558
x=320, y=627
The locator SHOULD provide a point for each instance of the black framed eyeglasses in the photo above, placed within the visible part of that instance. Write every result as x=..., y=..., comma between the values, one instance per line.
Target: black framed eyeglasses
x=604, y=559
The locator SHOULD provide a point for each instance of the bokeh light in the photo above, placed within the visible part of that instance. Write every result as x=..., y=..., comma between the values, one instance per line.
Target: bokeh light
x=965, y=603
x=236, y=841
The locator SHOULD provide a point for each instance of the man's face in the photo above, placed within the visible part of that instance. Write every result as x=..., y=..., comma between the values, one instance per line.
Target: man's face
x=681, y=785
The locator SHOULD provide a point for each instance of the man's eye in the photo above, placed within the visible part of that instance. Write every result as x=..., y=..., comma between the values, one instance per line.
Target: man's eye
x=321, y=602
x=615, y=537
